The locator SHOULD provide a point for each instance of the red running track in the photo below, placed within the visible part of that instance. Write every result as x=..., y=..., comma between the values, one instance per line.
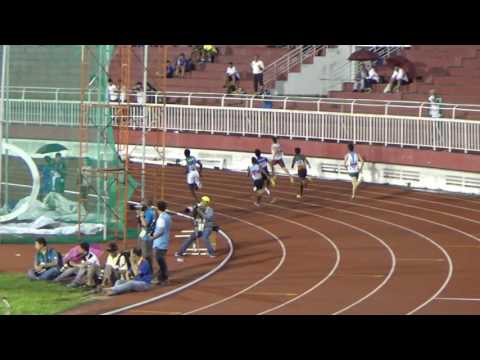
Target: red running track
x=391, y=251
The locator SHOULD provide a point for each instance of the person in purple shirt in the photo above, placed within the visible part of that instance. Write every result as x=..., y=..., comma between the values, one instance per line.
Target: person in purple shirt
x=142, y=272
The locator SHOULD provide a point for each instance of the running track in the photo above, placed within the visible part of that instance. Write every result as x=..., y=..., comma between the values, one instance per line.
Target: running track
x=392, y=251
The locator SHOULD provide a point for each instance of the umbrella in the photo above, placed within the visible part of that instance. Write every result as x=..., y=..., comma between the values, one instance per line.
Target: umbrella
x=51, y=148
x=397, y=60
x=363, y=55
x=74, y=253
x=406, y=64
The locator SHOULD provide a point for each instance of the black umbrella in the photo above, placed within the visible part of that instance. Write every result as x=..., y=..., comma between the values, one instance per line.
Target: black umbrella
x=363, y=55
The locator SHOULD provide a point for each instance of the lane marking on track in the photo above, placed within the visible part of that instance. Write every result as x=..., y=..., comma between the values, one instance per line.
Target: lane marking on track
x=455, y=299
x=185, y=286
x=334, y=268
x=445, y=253
x=383, y=283
x=182, y=236
x=187, y=231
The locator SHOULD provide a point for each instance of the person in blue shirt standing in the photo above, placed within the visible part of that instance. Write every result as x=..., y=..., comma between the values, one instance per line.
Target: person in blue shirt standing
x=147, y=217
x=47, y=262
x=46, y=176
x=142, y=280
x=161, y=241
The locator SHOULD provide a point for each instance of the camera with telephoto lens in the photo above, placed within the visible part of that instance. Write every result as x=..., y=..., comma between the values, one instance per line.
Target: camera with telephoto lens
x=138, y=207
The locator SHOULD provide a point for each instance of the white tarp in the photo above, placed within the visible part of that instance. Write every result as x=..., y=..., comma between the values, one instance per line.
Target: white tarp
x=48, y=217
x=47, y=226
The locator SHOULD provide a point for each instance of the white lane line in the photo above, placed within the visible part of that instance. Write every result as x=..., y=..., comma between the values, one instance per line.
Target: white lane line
x=182, y=236
x=329, y=275
x=456, y=299
x=183, y=287
x=445, y=253
x=404, y=196
x=270, y=274
x=308, y=291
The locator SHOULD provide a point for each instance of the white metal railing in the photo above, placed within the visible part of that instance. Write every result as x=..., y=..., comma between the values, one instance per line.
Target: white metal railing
x=419, y=132
x=287, y=62
x=363, y=106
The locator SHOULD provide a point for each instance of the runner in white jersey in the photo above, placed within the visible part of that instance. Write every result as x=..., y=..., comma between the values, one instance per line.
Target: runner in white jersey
x=277, y=159
x=354, y=165
x=263, y=162
x=256, y=172
x=193, y=175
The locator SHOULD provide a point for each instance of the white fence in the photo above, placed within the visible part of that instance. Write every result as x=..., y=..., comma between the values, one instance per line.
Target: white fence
x=360, y=106
x=420, y=132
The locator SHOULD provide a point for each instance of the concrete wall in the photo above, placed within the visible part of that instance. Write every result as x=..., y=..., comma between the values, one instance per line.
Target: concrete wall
x=326, y=73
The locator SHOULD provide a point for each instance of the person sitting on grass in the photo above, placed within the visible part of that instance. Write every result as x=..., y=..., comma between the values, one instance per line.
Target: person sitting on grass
x=47, y=263
x=116, y=267
x=85, y=269
x=142, y=280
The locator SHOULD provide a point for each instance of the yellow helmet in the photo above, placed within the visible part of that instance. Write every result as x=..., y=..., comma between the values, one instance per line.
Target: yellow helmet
x=205, y=200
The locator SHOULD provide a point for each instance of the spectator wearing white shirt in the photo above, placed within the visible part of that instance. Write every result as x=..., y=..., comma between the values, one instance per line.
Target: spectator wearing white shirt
x=436, y=113
x=257, y=69
x=360, y=80
x=372, y=78
x=231, y=75
x=112, y=91
x=399, y=78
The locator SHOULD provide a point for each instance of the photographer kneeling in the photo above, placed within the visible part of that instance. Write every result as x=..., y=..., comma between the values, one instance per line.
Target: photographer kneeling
x=203, y=217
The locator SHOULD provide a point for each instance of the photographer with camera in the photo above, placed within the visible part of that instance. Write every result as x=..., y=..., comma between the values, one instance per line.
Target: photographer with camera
x=146, y=217
x=204, y=224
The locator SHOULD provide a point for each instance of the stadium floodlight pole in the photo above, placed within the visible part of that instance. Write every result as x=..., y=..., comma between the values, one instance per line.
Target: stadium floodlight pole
x=144, y=128
x=2, y=109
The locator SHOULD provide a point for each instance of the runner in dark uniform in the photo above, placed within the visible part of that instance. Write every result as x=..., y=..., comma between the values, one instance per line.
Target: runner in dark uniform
x=256, y=173
x=263, y=162
x=301, y=162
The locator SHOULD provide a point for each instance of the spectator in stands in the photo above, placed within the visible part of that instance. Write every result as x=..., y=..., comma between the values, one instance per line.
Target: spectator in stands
x=398, y=79
x=181, y=65
x=123, y=94
x=209, y=53
x=47, y=262
x=116, y=267
x=372, y=78
x=189, y=65
x=85, y=270
x=142, y=272
x=267, y=98
x=360, y=79
x=112, y=91
x=257, y=69
x=231, y=75
x=436, y=112
x=139, y=93
x=170, y=70
x=435, y=105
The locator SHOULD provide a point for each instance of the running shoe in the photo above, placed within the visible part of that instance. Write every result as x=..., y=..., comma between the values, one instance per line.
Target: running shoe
x=256, y=204
x=292, y=180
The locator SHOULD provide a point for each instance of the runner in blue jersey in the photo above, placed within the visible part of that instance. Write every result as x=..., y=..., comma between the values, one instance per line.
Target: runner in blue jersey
x=256, y=173
x=354, y=166
x=193, y=174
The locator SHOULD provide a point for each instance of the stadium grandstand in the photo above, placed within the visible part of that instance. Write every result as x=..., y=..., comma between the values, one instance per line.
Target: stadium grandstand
x=91, y=134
